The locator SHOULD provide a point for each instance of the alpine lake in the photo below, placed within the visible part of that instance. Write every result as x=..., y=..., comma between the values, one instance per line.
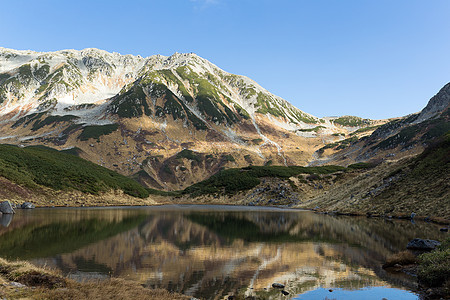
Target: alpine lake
x=213, y=252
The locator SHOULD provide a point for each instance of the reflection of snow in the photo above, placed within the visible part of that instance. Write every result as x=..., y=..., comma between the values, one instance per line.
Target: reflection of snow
x=264, y=264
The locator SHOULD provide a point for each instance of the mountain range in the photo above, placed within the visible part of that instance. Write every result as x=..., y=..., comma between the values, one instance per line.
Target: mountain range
x=170, y=122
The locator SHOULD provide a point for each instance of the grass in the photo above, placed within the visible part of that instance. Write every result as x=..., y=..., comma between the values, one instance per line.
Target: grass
x=40, y=166
x=47, y=284
x=96, y=131
x=402, y=258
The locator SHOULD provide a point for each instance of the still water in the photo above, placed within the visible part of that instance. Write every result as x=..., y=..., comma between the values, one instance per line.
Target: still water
x=211, y=252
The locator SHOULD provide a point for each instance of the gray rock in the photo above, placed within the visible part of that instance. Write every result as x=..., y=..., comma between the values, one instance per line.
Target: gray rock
x=278, y=285
x=5, y=219
x=6, y=207
x=17, y=284
x=421, y=244
x=27, y=205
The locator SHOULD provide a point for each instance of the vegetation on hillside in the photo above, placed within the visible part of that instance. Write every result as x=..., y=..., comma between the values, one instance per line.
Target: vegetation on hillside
x=434, y=267
x=364, y=129
x=352, y=121
x=231, y=181
x=427, y=172
x=339, y=145
x=131, y=103
x=96, y=131
x=36, y=166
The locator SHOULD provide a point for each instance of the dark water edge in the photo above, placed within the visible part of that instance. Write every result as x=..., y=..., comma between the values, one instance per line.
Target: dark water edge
x=210, y=251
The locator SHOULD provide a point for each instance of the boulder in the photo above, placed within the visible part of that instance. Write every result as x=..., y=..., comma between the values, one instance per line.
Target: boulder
x=278, y=285
x=421, y=244
x=27, y=205
x=6, y=208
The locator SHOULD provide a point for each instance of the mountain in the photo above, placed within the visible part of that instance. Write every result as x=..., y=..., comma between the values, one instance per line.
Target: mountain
x=398, y=138
x=167, y=121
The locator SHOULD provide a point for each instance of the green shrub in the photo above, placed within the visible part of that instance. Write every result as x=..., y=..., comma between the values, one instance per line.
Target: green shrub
x=131, y=103
x=233, y=180
x=315, y=129
x=351, y=121
x=188, y=154
x=360, y=165
x=434, y=267
x=96, y=131
x=229, y=158
x=257, y=141
x=163, y=193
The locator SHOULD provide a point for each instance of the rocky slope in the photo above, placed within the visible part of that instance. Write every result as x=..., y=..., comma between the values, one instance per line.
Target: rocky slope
x=136, y=115
x=399, y=138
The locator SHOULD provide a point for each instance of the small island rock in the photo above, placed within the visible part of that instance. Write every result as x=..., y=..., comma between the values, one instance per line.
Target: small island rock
x=27, y=205
x=6, y=208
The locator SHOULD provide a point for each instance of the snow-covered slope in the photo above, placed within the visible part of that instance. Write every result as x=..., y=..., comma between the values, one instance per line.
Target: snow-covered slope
x=37, y=81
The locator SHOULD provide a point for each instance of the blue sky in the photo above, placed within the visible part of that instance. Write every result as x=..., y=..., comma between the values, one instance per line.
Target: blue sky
x=374, y=59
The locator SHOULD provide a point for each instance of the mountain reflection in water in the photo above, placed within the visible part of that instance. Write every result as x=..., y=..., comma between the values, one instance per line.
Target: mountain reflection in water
x=210, y=252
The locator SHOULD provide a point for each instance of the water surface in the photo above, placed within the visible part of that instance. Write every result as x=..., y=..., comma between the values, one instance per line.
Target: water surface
x=211, y=252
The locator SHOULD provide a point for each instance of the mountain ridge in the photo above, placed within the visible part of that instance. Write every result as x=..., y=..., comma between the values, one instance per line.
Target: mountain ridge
x=137, y=115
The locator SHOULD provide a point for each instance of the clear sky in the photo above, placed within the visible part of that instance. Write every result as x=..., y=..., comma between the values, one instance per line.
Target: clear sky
x=374, y=59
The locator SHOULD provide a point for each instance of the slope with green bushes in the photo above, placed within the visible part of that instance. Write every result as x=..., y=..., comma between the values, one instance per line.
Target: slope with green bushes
x=41, y=166
x=231, y=181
